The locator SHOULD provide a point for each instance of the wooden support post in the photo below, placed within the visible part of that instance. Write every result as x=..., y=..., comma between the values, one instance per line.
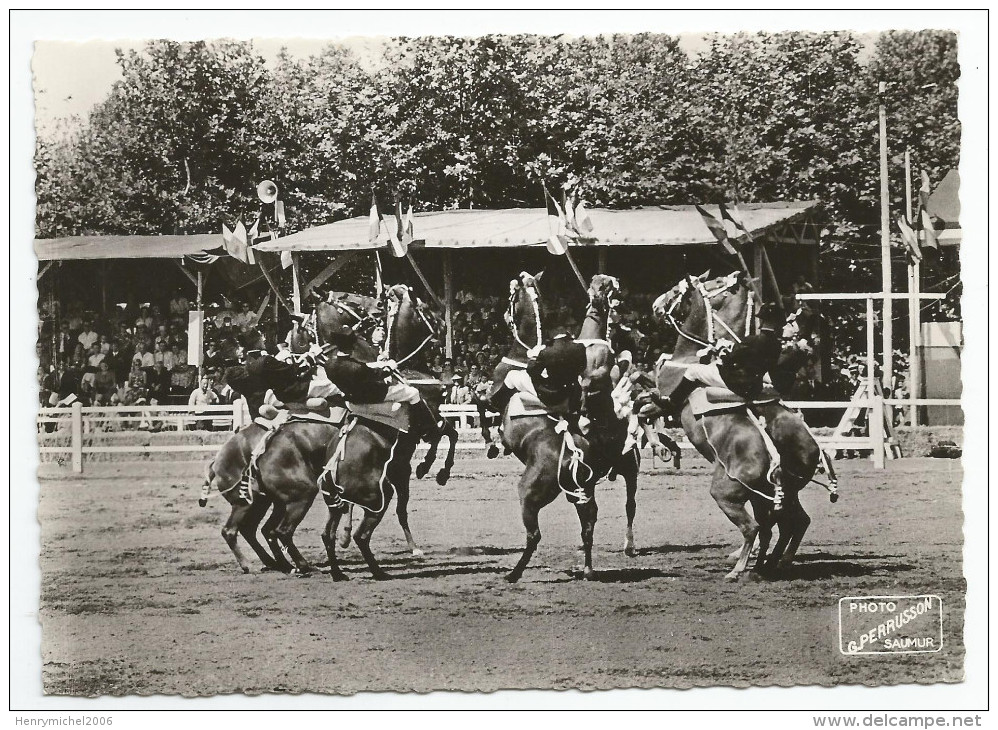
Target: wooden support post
x=870, y=347
x=601, y=260
x=76, y=430
x=448, y=304
x=295, y=284
x=771, y=275
x=914, y=308
x=875, y=419
x=887, y=329
x=426, y=284
x=379, y=285
x=199, y=305
x=575, y=268
x=338, y=263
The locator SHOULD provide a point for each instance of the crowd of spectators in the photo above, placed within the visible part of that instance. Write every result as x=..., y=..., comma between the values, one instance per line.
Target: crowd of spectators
x=133, y=355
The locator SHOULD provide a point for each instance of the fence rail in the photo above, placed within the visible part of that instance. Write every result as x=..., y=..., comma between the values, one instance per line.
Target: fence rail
x=93, y=420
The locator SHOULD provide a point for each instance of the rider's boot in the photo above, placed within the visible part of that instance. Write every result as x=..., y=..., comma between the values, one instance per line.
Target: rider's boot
x=498, y=403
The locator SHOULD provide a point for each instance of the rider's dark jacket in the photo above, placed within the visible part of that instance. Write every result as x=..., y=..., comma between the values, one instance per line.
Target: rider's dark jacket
x=289, y=383
x=359, y=383
x=743, y=368
x=556, y=370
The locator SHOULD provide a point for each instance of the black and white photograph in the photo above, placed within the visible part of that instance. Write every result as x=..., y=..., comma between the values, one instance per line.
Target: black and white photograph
x=371, y=359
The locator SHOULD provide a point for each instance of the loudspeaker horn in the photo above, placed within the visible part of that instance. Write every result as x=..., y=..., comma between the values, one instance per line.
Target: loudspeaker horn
x=267, y=191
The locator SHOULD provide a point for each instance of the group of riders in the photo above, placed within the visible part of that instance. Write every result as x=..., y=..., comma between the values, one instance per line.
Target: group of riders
x=321, y=378
x=585, y=387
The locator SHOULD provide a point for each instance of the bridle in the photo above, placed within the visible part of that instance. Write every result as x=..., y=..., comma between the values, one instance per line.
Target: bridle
x=531, y=291
x=394, y=304
x=362, y=323
x=731, y=281
x=608, y=302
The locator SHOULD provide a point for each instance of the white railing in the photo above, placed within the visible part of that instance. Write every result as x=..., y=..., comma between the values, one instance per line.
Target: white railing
x=93, y=421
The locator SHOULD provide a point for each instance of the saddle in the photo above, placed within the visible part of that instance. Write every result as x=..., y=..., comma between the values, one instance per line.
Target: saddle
x=711, y=400
x=393, y=415
x=294, y=413
x=333, y=492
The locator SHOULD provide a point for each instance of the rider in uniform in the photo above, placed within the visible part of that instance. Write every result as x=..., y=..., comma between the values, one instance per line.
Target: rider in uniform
x=367, y=383
x=263, y=372
x=741, y=370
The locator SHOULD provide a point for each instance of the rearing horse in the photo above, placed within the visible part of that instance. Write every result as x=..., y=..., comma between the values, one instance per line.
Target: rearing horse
x=602, y=376
x=536, y=440
x=410, y=328
x=702, y=312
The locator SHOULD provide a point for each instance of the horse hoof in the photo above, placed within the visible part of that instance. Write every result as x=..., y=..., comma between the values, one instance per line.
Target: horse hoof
x=301, y=573
x=833, y=498
x=245, y=569
x=629, y=551
x=340, y=577
x=442, y=476
x=417, y=553
x=421, y=470
x=512, y=577
x=204, y=502
x=732, y=577
x=588, y=574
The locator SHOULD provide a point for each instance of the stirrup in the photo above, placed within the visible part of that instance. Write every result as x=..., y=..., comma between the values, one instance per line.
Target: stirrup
x=580, y=496
x=775, y=477
x=245, y=493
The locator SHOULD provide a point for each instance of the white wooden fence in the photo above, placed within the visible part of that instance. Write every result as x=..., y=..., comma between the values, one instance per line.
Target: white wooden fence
x=83, y=422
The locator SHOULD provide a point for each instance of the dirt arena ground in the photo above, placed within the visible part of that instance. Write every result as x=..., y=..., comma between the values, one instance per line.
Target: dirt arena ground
x=140, y=595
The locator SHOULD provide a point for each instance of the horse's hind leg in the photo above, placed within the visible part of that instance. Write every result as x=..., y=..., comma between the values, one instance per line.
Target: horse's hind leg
x=800, y=521
x=587, y=518
x=727, y=493
x=230, y=533
x=630, y=473
x=401, y=482
x=294, y=514
x=530, y=506
x=269, y=532
x=450, y=430
x=329, y=540
x=345, y=530
x=249, y=527
x=363, y=535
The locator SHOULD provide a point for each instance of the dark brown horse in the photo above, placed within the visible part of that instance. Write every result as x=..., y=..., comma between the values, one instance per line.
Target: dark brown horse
x=602, y=404
x=539, y=444
x=411, y=327
x=287, y=474
x=702, y=312
x=373, y=463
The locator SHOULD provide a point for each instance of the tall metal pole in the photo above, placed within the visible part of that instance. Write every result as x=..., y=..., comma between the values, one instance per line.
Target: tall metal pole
x=448, y=304
x=200, y=308
x=885, y=249
x=914, y=311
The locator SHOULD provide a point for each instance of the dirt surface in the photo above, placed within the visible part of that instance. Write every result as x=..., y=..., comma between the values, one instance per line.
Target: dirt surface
x=140, y=595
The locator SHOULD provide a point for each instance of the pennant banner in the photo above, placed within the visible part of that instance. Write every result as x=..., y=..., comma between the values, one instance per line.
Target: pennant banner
x=909, y=238
x=717, y=229
x=557, y=242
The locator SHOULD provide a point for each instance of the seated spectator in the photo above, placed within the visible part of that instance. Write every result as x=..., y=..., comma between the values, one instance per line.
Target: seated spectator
x=245, y=319
x=87, y=337
x=96, y=357
x=169, y=358
x=179, y=304
x=184, y=376
x=104, y=382
x=459, y=394
x=118, y=362
x=69, y=383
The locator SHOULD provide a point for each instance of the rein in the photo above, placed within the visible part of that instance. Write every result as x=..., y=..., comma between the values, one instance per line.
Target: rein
x=729, y=283
x=394, y=305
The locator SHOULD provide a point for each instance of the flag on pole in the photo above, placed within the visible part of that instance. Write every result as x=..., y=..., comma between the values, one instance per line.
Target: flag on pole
x=583, y=222
x=735, y=216
x=924, y=191
x=396, y=242
x=717, y=228
x=557, y=242
x=909, y=238
x=374, y=220
x=407, y=229
x=928, y=236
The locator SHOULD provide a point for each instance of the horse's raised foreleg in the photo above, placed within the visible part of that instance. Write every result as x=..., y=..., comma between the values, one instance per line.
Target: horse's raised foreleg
x=401, y=482
x=249, y=528
x=269, y=532
x=363, y=535
x=629, y=470
x=587, y=518
x=449, y=430
x=293, y=516
x=433, y=440
x=329, y=541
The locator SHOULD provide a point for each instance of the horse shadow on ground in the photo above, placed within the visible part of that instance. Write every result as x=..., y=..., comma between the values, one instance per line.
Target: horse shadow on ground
x=621, y=575
x=822, y=566
x=667, y=549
